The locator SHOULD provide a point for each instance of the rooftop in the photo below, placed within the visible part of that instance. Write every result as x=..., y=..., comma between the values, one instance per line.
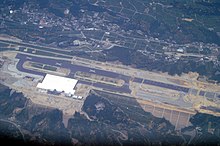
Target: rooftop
x=58, y=83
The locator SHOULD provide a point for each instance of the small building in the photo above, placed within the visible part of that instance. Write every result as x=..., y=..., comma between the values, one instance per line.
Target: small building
x=180, y=50
x=76, y=42
x=58, y=84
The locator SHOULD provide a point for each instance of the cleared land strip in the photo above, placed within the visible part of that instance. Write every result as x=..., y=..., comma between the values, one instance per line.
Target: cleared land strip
x=130, y=69
x=171, y=106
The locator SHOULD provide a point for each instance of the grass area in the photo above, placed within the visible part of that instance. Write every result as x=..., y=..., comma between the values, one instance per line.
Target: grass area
x=42, y=66
x=51, y=68
x=3, y=45
x=98, y=78
x=36, y=65
x=6, y=49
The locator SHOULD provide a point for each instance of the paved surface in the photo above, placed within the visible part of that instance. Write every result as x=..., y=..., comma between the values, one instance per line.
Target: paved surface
x=74, y=68
x=163, y=99
x=123, y=89
x=163, y=85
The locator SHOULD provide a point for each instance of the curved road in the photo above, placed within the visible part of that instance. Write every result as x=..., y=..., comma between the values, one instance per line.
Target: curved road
x=14, y=124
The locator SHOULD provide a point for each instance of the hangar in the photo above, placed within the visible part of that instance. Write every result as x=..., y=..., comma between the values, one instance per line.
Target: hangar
x=59, y=84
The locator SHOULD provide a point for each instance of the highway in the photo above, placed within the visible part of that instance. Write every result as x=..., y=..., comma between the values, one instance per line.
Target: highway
x=15, y=125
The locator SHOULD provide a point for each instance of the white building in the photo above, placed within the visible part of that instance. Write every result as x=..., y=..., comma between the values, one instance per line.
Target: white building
x=180, y=50
x=60, y=84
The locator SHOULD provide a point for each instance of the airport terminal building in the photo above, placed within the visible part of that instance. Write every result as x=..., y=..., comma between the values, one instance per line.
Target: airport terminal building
x=59, y=84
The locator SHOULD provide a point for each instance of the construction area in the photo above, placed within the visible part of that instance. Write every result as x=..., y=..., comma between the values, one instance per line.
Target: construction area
x=65, y=84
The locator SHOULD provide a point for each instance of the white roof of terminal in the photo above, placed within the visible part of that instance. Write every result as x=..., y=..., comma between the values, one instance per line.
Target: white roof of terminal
x=52, y=82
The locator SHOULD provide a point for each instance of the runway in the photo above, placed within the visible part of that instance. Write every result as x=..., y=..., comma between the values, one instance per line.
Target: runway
x=163, y=85
x=74, y=68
